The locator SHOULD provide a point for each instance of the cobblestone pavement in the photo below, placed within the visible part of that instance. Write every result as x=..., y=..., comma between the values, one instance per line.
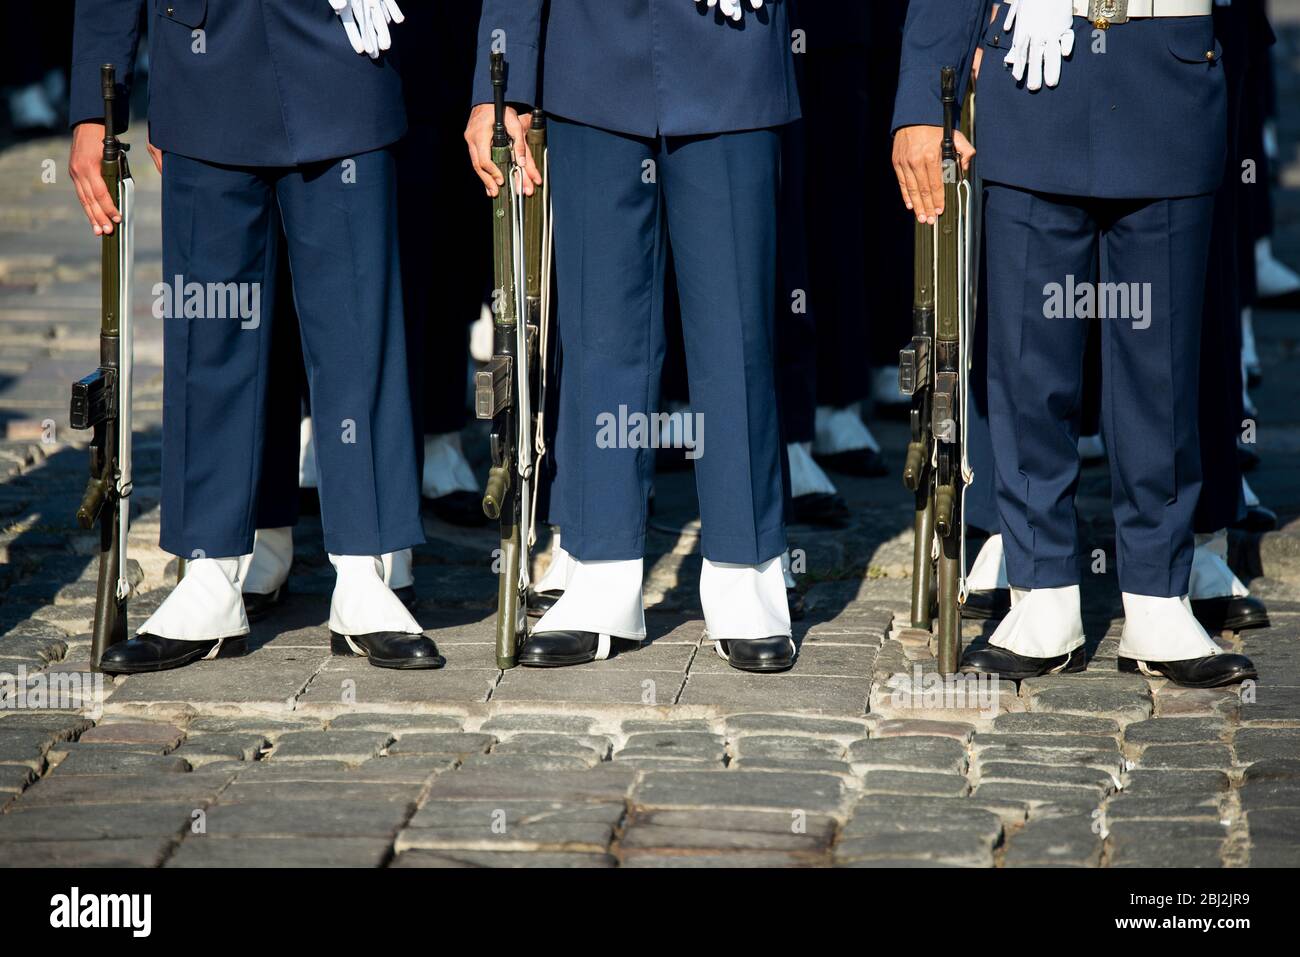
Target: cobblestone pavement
x=660, y=757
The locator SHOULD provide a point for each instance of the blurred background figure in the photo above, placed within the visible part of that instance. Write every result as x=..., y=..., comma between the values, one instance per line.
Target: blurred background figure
x=37, y=55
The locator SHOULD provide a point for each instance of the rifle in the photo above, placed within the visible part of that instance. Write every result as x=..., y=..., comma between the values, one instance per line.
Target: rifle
x=934, y=372
x=509, y=389
x=102, y=400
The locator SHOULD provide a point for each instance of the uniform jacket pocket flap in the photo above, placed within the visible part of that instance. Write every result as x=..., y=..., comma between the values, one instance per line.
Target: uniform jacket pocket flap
x=191, y=13
x=1195, y=47
x=995, y=36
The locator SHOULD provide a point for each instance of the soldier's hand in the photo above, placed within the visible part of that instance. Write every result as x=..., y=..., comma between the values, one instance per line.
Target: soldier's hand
x=918, y=163
x=83, y=167
x=478, y=136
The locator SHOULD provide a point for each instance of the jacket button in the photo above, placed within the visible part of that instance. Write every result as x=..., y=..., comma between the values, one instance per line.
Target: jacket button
x=1209, y=54
x=171, y=11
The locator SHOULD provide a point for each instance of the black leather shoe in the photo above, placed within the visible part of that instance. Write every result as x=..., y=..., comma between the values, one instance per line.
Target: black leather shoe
x=1212, y=671
x=992, y=660
x=540, y=602
x=1230, y=613
x=390, y=649
x=796, y=603
x=819, y=508
x=146, y=652
x=464, y=509
x=257, y=607
x=987, y=605
x=863, y=463
x=556, y=649
x=1257, y=519
x=406, y=595
x=760, y=654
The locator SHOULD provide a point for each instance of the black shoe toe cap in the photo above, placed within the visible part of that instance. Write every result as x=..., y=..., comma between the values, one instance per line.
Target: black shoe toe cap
x=554, y=649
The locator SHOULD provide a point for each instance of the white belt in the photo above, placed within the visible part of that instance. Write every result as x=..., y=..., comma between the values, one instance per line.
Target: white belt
x=1117, y=11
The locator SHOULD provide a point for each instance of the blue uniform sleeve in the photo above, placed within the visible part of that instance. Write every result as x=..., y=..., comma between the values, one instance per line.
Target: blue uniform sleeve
x=104, y=31
x=938, y=33
x=513, y=27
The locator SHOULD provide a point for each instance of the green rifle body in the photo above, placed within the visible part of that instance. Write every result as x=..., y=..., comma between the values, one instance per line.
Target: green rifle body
x=916, y=469
x=496, y=398
x=930, y=372
x=501, y=498
x=97, y=402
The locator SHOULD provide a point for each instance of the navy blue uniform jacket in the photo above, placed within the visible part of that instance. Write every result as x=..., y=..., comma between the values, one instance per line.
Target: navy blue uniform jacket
x=644, y=67
x=242, y=82
x=1146, y=118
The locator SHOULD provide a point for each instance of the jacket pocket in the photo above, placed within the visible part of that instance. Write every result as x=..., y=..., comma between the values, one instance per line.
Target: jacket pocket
x=995, y=36
x=1195, y=43
x=190, y=13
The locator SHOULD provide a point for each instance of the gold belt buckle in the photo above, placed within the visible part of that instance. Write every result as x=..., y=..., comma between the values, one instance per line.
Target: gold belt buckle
x=1104, y=13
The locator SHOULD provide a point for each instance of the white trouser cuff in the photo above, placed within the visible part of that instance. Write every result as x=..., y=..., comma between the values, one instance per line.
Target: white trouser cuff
x=806, y=476
x=1162, y=629
x=362, y=604
x=1248, y=493
x=743, y=602
x=787, y=569
x=207, y=604
x=1211, y=576
x=884, y=386
x=272, y=559
x=1272, y=276
x=1042, y=623
x=307, y=471
x=842, y=430
x=446, y=469
x=1249, y=351
x=990, y=568
x=397, y=568
x=558, y=571
x=603, y=596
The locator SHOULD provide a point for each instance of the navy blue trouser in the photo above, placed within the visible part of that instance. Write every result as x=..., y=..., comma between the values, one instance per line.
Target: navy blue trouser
x=980, y=502
x=222, y=225
x=1149, y=380
x=617, y=201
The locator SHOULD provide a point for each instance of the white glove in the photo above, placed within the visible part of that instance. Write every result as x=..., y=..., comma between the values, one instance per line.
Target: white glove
x=366, y=23
x=1044, y=35
x=733, y=8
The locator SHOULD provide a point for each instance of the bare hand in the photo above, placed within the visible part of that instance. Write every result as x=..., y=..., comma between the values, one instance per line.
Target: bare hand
x=918, y=163
x=83, y=167
x=156, y=155
x=478, y=135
